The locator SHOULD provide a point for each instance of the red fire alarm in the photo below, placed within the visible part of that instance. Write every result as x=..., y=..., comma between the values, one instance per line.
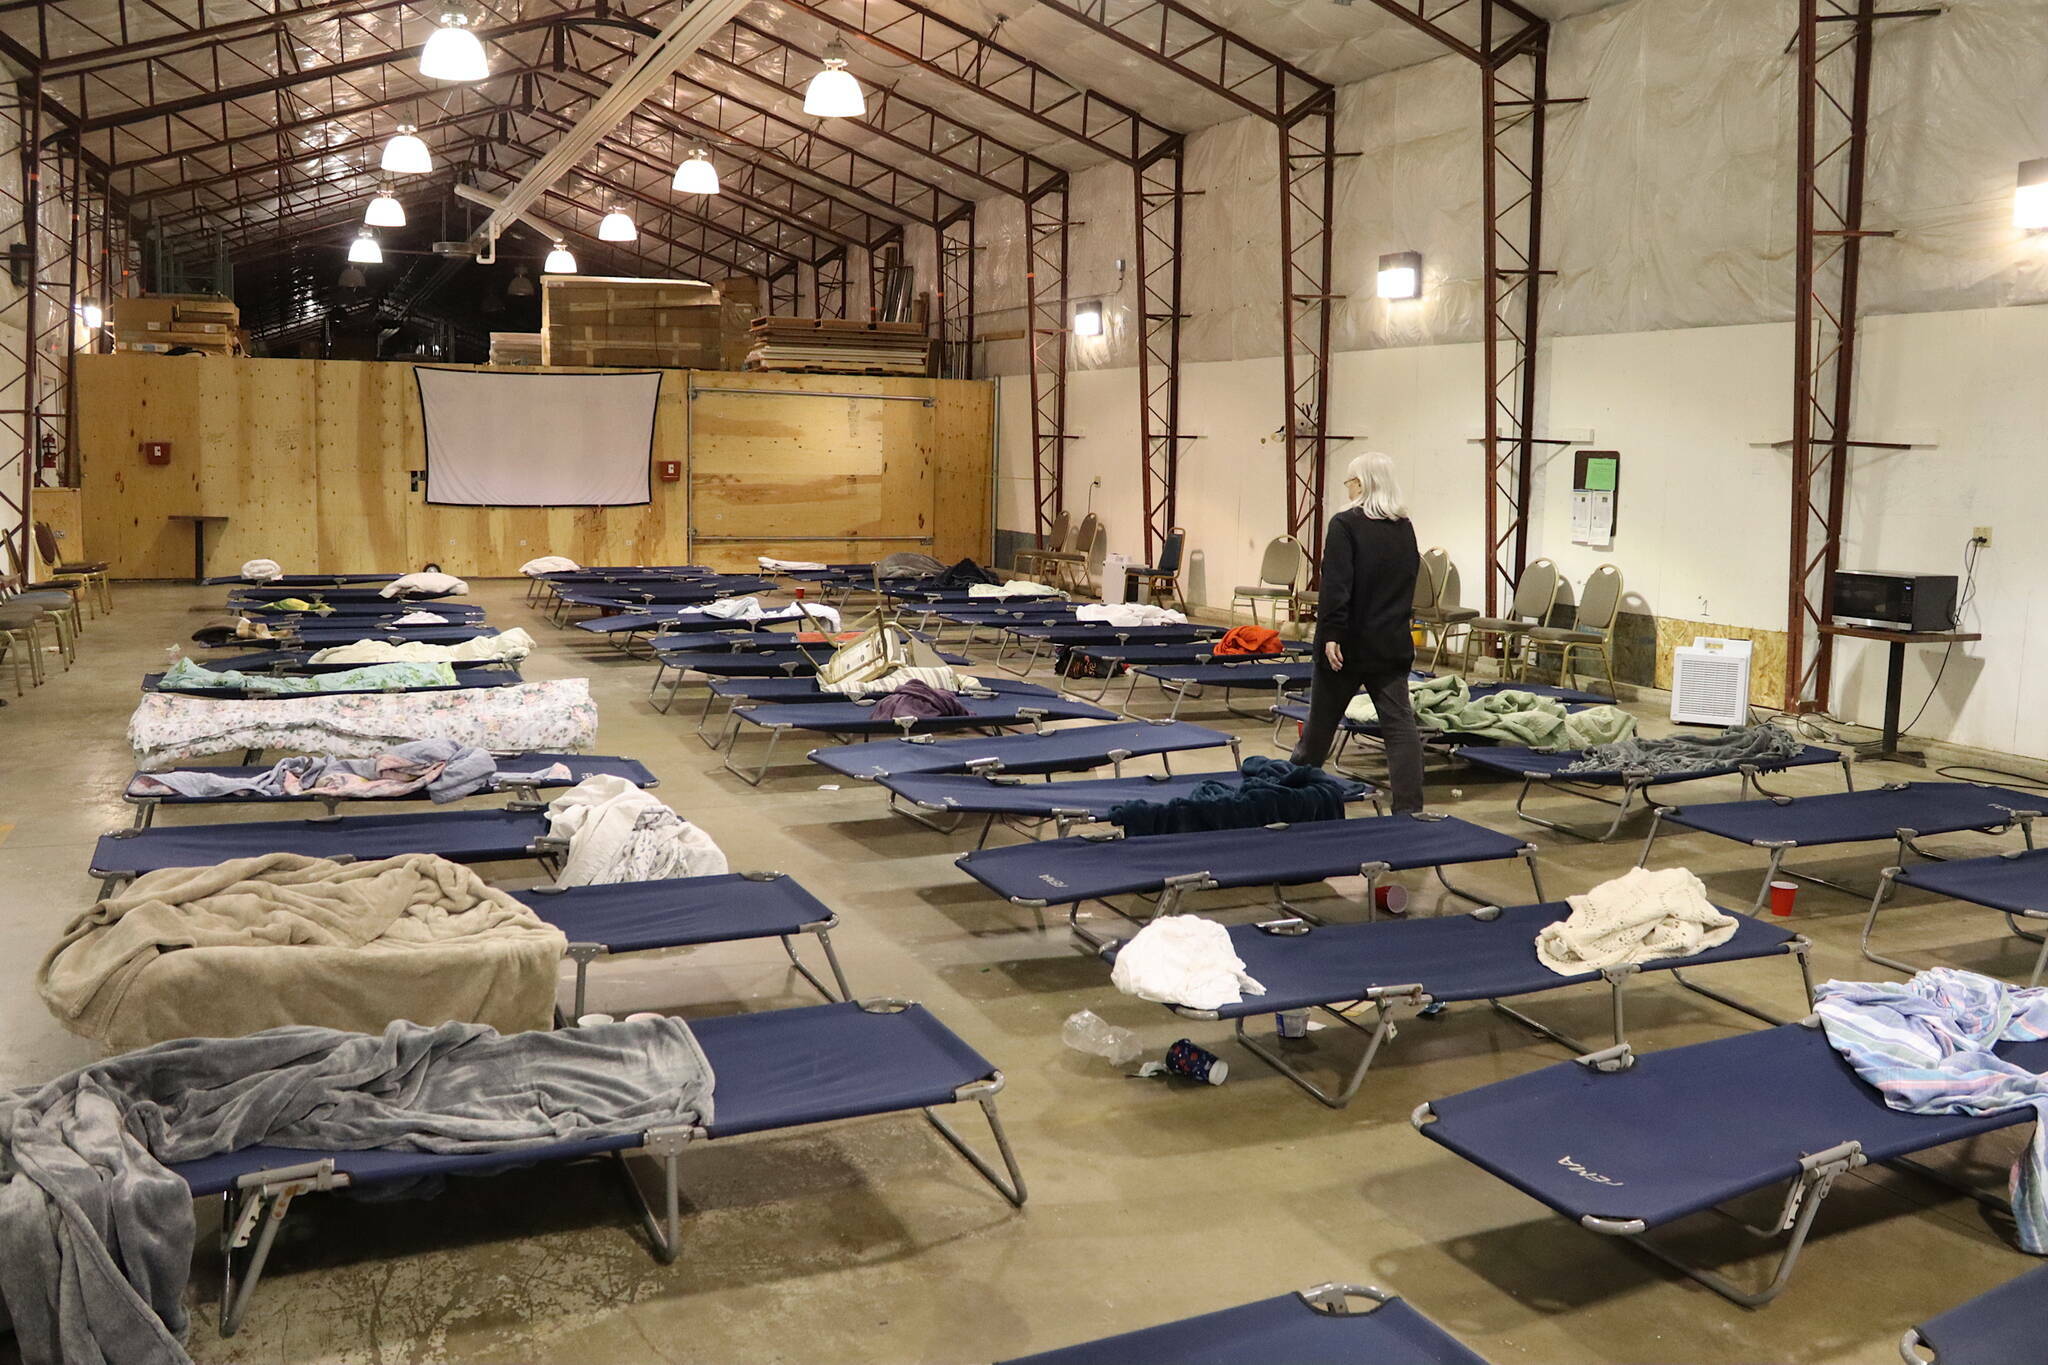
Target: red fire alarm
x=671, y=471
x=156, y=452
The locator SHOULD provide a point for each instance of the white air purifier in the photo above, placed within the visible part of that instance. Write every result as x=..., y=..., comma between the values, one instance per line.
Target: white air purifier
x=1710, y=682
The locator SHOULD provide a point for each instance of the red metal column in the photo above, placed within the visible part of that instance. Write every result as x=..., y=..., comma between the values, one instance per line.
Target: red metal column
x=1514, y=92
x=1046, y=328
x=1156, y=182
x=1308, y=155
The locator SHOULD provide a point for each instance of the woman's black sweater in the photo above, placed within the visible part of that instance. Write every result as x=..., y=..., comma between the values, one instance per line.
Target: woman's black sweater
x=1368, y=590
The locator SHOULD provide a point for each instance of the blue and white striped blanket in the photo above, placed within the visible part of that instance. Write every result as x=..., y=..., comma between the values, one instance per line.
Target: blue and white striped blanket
x=1925, y=1044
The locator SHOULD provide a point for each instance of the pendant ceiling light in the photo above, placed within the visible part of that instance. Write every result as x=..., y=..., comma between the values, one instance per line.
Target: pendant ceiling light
x=617, y=227
x=833, y=92
x=352, y=277
x=453, y=53
x=364, y=249
x=559, y=262
x=520, y=287
x=405, y=154
x=696, y=174
x=384, y=211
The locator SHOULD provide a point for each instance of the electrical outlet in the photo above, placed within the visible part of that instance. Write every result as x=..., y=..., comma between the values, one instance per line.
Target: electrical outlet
x=1982, y=536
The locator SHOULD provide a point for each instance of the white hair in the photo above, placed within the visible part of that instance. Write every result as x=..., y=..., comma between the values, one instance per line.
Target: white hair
x=1379, y=492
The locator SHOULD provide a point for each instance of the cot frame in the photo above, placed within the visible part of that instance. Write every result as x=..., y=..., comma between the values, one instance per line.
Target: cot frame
x=1415, y=997
x=1885, y=887
x=1026, y=715
x=255, y=1208
x=1639, y=781
x=1181, y=692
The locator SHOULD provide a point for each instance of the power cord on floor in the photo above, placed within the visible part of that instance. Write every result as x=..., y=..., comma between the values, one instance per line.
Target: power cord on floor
x=1972, y=548
x=2006, y=777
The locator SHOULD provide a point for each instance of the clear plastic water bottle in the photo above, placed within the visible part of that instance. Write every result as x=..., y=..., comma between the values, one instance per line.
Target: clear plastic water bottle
x=1086, y=1031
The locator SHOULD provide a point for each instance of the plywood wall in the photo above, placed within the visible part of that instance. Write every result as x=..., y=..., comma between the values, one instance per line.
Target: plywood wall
x=311, y=463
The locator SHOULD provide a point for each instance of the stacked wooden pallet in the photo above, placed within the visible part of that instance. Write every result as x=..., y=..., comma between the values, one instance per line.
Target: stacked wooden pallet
x=165, y=324
x=836, y=346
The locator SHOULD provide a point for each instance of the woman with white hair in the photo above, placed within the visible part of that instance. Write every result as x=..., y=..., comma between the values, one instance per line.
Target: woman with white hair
x=1363, y=639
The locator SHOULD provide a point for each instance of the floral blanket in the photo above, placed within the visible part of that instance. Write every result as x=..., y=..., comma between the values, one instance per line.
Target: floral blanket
x=548, y=716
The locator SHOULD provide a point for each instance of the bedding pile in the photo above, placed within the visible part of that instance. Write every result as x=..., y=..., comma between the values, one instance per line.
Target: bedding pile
x=1510, y=716
x=424, y=585
x=619, y=833
x=1129, y=614
x=1684, y=755
x=96, y=1236
x=186, y=676
x=1183, y=960
x=262, y=570
x=1637, y=917
x=1016, y=587
x=550, y=716
x=255, y=943
x=1271, y=791
x=918, y=699
x=443, y=769
x=534, y=568
x=773, y=565
x=505, y=647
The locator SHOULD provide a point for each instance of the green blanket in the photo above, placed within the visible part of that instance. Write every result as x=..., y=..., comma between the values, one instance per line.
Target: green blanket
x=185, y=675
x=1510, y=716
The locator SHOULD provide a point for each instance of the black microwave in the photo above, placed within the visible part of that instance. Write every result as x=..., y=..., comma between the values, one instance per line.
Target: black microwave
x=1888, y=600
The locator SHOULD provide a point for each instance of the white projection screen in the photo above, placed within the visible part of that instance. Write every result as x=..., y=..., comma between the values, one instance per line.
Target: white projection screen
x=538, y=440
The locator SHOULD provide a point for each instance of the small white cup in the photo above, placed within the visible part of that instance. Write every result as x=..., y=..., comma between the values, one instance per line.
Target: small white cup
x=588, y=1020
x=645, y=1014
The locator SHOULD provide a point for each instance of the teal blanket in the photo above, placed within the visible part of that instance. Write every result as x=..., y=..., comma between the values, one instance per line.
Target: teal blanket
x=185, y=675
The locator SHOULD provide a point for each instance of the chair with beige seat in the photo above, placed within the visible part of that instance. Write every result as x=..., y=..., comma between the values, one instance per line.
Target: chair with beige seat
x=96, y=573
x=1030, y=562
x=56, y=601
x=1282, y=571
x=1591, y=633
x=1535, y=601
x=1436, y=601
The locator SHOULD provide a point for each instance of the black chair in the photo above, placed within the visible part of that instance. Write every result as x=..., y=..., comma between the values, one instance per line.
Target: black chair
x=1166, y=571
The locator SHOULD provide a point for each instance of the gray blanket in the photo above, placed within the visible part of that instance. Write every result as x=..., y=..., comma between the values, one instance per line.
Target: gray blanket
x=448, y=771
x=96, y=1235
x=1682, y=755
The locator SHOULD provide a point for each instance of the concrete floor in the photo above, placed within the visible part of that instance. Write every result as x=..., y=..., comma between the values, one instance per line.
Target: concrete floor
x=870, y=1241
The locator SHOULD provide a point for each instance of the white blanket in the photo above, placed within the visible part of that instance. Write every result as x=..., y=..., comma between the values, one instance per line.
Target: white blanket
x=619, y=833
x=773, y=565
x=944, y=678
x=1129, y=614
x=262, y=570
x=420, y=618
x=1016, y=587
x=437, y=584
x=1638, y=916
x=1183, y=960
x=509, y=646
x=750, y=609
x=533, y=568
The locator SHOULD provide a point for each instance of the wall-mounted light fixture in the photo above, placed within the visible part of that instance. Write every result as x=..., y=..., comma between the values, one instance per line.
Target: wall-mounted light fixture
x=1401, y=275
x=2030, y=197
x=1088, y=318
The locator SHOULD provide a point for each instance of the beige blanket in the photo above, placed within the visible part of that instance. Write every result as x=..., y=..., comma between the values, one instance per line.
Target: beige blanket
x=256, y=943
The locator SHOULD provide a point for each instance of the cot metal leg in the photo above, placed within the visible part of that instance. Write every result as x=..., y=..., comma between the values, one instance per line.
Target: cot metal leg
x=824, y=936
x=253, y=1211
x=664, y=1230
x=1621, y=808
x=732, y=745
x=1382, y=1030
x=1009, y=1182
x=1800, y=948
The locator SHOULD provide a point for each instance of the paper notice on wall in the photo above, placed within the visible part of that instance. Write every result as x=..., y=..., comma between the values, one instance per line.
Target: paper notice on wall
x=1592, y=517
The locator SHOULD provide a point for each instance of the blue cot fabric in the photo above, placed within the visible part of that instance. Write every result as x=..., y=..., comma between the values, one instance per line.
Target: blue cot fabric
x=1063, y=871
x=325, y=634
x=852, y=718
x=1859, y=817
x=1278, y=1331
x=1452, y=957
x=466, y=836
x=1688, y=1128
x=300, y=580
x=1268, y=791
x=2018, y=883
x=1092, y=796
x=1101, y=632
x=1059, y=751
x=459, y=678
x=787, y=691
x=580, y=766
x=1926, y=1045
x=631, y=917
x=1269, y=674
x=2005, y=1326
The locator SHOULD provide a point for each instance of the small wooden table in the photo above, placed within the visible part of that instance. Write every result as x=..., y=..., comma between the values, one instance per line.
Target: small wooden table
x=198, y=541
x=1895, y=681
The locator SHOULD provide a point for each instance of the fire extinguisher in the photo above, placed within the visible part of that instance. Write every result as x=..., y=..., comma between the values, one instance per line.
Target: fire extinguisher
x=47, y=463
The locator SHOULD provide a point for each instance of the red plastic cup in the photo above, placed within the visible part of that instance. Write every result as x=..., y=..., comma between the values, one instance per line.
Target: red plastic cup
x=1392, y=899
x=1782, y=896
x=799, y=594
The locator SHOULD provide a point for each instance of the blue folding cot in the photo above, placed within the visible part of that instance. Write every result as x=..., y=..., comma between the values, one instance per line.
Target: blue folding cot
x=792, y=691
x=1172, y=867
x=1041, y=636
x=290, y=661
x=324, y=606
x=1076, y=749
x=1319, y=1326
x=1536, y=767
x=1183, y=681
x=1112, y=660
x=1065, y=804
x=491, y=835
x=327, y=634
x=1296, y=712
x=539, y=586
x=1903, y=812
x=857, y=720
x=464, y=678
x=1625, y=1144
x=775, y=1070
x=2015, y=884
x=620, y=597
x=763, y=655
x=300, y=580
x=339, y=596
x=1486, y=954
x=680, y=912
x=2001, y=1327
x=580, y=766
x=912, y=591
x=974, y=618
